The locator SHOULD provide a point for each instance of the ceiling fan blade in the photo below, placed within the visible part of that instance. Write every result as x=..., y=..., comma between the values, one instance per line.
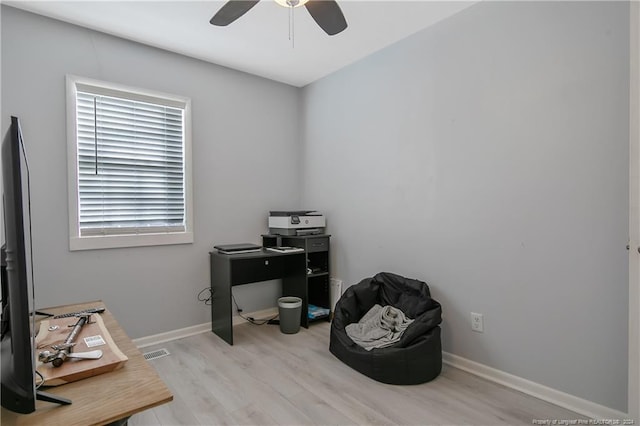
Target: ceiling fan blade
x=232, y=10
x=328, y=15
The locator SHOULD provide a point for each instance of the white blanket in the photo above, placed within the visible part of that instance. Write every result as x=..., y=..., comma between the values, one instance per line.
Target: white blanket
x=379, y=328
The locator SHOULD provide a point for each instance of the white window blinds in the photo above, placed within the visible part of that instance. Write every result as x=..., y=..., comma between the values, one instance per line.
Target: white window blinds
x=131, y=166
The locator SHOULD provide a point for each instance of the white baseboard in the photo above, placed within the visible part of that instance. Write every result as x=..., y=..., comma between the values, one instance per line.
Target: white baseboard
x=181, y=333
x=545, y=393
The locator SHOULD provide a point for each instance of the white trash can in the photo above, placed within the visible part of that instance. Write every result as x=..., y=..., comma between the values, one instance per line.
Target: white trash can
x=289, y=310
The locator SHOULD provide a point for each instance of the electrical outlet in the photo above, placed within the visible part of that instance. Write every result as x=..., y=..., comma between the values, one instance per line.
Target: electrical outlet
x=477, y=322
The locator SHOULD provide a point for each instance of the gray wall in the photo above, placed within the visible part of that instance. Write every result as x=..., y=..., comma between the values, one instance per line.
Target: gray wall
x=244, y=156
x=487, y=155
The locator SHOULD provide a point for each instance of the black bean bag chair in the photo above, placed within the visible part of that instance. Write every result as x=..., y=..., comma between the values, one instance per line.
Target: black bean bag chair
x=417, y=357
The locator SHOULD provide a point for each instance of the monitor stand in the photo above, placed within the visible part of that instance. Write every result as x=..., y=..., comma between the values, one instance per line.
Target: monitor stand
x=48, y=397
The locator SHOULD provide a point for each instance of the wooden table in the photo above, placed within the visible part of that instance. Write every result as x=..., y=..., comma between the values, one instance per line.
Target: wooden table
x=105, y=398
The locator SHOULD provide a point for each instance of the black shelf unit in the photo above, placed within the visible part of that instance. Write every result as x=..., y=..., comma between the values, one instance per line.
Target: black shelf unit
x=317, y=289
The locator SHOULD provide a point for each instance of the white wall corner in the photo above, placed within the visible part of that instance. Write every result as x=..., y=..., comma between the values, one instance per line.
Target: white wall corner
x=634, y=214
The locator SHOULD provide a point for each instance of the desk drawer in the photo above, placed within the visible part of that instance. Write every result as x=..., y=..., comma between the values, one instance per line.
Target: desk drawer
x=250, y=270
x=317, y=244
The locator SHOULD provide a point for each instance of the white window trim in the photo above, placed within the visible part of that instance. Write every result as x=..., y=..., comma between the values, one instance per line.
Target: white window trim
x=78, y=242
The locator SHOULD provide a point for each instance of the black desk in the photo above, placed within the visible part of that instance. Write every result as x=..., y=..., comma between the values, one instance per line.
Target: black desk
x=229, y=270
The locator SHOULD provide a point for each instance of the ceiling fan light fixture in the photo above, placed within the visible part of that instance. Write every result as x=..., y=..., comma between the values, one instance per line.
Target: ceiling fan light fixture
x=291, y=3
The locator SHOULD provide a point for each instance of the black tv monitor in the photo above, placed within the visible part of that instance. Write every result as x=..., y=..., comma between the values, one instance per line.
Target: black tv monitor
x=17, y=373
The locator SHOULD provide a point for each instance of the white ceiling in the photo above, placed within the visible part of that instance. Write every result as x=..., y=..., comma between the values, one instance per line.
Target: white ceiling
x=258, y=42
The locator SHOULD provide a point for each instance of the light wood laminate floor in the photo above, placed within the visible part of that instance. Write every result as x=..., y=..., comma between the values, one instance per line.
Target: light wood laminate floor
x=269, y=378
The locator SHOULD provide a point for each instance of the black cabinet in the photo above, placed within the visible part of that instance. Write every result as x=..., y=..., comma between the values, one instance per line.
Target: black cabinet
x=316, y=293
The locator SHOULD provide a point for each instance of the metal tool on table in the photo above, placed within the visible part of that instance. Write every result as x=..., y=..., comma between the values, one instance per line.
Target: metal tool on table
x=65, y=350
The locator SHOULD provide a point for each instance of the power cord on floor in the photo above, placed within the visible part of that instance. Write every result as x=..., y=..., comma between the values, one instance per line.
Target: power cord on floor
x=251, y=319
x=206, y=295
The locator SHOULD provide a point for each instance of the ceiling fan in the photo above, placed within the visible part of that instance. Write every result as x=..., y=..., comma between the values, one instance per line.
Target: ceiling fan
x=326, y=13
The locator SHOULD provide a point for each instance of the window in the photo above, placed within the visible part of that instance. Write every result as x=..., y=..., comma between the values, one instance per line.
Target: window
x=129, y=166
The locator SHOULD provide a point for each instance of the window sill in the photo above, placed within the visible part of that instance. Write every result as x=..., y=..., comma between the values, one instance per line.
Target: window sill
x=121, y=241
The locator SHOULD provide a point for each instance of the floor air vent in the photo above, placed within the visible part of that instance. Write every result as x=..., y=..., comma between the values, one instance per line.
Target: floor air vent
x=150, y=356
